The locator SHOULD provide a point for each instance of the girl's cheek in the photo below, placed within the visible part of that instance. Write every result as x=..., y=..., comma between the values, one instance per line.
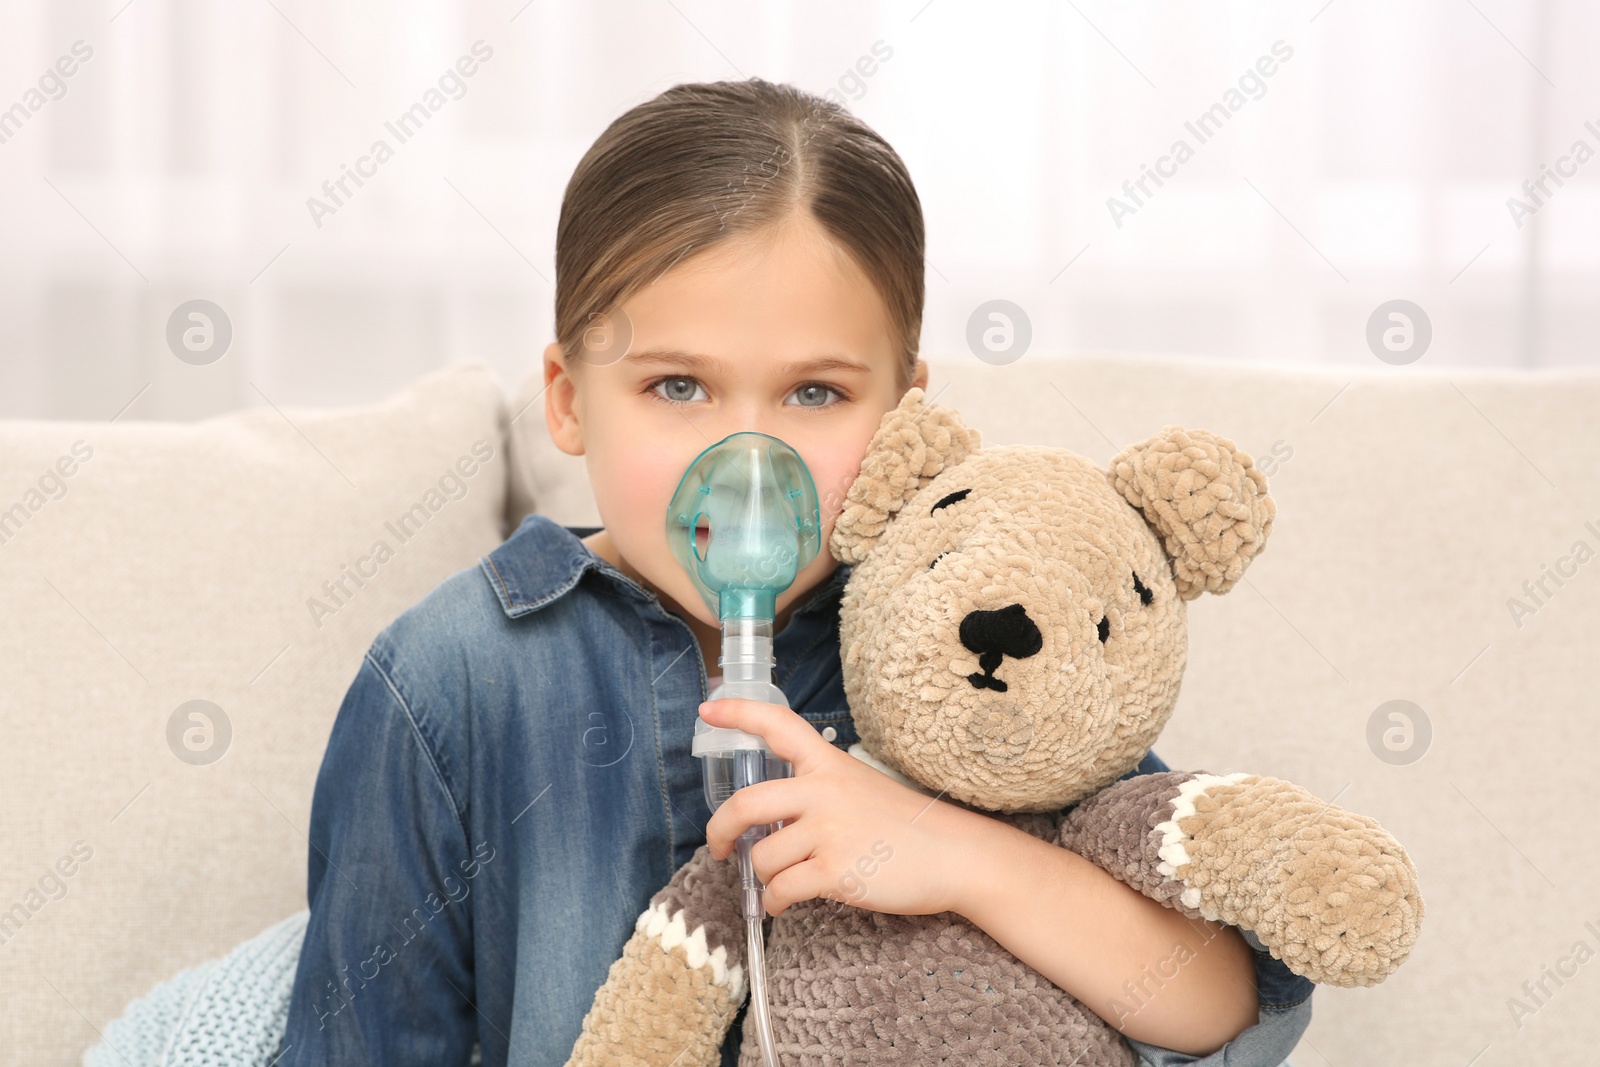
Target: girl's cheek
x=653, y=458
x=833, y=472
x=837, y=464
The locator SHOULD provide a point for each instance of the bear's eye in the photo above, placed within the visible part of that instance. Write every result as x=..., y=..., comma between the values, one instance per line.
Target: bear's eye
x=1105, y=629
x=948, y=499
x=1145, y=595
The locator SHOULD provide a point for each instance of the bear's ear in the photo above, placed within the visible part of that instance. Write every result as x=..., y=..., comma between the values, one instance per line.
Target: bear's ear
x=1206, y=500
x=914, y=442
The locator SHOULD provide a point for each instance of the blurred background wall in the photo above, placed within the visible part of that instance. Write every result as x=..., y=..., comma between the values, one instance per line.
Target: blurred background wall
x=1356, y=152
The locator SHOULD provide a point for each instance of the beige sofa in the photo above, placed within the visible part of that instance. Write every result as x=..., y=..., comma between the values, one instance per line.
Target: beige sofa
x=230, y=561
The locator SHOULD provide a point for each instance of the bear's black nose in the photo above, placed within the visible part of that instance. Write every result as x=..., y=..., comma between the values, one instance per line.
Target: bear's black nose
x=993, y=635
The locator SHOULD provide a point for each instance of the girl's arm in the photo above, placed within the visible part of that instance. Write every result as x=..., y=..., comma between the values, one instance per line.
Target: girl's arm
x=385, y=974
x=1153, y=973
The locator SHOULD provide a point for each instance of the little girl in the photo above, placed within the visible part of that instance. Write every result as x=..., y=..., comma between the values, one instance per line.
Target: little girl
x=509, y=778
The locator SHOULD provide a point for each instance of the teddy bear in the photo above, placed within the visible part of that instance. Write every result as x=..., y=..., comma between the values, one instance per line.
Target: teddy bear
x=1012, y=635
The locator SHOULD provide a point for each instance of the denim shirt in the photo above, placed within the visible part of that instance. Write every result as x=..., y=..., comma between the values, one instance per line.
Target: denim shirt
x=507, y=783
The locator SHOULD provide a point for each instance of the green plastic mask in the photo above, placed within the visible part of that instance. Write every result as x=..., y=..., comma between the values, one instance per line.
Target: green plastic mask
x=756, y=498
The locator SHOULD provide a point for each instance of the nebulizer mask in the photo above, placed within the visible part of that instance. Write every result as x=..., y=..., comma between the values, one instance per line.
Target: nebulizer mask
x=752, y=496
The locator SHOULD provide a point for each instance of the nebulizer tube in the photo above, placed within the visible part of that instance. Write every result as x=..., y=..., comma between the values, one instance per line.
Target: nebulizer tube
x=743, y=522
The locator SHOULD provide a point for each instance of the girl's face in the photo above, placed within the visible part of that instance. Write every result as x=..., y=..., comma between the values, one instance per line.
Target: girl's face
x=779, y=332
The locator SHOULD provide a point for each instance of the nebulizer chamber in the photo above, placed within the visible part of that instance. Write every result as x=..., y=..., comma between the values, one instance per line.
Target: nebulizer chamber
x=755, y=498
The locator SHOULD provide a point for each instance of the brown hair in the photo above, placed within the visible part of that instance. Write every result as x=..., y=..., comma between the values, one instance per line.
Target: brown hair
x=703, y=162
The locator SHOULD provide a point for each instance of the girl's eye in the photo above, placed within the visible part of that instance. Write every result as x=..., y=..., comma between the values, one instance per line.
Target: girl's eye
x=675, y=385
x=816, y=391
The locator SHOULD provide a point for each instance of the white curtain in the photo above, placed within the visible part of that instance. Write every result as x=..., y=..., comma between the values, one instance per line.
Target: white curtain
x=1341, y=154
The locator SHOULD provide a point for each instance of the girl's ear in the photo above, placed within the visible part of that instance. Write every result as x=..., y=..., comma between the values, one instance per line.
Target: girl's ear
x=560, y=414
x=1204, y=498
x=913, y=443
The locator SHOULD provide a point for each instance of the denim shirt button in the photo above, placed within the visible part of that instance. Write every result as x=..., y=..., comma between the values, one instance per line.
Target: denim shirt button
x=829, y=733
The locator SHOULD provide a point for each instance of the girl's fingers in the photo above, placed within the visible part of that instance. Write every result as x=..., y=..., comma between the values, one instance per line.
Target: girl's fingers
x=803, y=881
x=791, y=845
x=781, y=799
x=790, y=736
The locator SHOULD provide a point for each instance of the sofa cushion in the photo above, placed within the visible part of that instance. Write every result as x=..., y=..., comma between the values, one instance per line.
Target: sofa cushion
x=182, y=607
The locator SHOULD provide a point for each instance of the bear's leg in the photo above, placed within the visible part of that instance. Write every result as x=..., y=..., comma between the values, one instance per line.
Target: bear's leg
x=672, y=995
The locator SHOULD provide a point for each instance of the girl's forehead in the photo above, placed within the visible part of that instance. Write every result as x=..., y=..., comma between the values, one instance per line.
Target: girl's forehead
x=774, y=309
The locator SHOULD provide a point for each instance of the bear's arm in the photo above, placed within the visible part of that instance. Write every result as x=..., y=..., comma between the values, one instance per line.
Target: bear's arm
x=1327, y=891
x=1115, y=830
x=672, y=995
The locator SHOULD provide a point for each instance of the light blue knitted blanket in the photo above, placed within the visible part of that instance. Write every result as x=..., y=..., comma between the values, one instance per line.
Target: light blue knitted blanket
x=227, y=1012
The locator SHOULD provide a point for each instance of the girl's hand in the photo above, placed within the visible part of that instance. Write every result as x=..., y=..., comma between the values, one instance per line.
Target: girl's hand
x=850, y=833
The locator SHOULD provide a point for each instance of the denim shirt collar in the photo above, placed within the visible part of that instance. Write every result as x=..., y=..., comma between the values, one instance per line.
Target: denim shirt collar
x=543, y=560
